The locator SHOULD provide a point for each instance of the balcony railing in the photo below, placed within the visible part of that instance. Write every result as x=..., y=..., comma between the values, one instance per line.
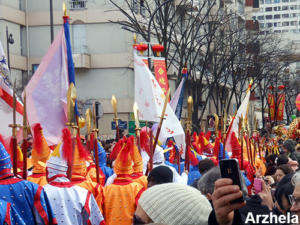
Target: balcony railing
x=77, y=5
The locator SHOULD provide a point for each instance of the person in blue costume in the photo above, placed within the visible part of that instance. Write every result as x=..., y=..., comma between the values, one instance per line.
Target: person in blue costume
x=194, y=173
x=28, y=199
x=102, y=162
x=8, y=214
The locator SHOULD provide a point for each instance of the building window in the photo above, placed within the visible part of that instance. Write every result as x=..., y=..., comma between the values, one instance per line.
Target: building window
x=293, y=23
x=261, y=25
x=269, y=25
x=254, y=17
x=135, y=6
x=77, y=4
x=262, y=1
x=277, y=8
x=277, y=16
x=285, y=15
x=260, y=18
x=285, y=24
x=277, y=31
x=269, y=17
x=293, y=7
x=268, y=1
x=285, y=1
x=142, y=7
x=276, y=1
x=285, y=8
x=269, y=9
x=79, y=39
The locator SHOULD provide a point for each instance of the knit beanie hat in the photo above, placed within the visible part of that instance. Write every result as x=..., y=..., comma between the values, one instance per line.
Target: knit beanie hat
x=175, y=204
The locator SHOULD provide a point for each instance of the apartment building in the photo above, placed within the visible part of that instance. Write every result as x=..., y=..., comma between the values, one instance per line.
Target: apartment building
x=102, y=51
x=279, y=16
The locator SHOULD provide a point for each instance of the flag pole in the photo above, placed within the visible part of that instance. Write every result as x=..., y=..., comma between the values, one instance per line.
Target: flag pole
x=71, y=98
x=137, y=125
x=188, y=136
x=114, y=104
x=161, y=121
x=96, y=131
x=25, y=135
x=14, y=127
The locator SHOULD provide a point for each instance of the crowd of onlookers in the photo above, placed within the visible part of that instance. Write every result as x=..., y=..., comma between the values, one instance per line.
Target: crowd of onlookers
x=180, y=204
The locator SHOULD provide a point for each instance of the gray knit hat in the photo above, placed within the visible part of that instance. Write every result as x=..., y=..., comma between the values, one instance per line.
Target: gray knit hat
x=175, y=204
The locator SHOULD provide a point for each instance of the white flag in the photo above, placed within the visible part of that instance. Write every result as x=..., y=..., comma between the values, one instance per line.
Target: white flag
x=6, y=100
x=234, y=126
x=150, y=99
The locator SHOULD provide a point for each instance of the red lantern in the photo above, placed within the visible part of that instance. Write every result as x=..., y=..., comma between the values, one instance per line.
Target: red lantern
x=271, y=87
x=298, y=102
x=158, y=48
x=281, y=87
x=141, y=47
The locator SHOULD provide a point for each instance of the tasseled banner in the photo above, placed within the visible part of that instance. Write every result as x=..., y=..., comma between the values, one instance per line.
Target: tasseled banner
x=83, y=153
x=144, y=138
x=116, y=149
x=67, y=145
x=37, y=138
x=207, y=135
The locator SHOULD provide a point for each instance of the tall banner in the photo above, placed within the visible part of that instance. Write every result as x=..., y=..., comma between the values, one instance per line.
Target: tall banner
x=161, y=74
x=47, y=91
x=280, y=108
x=271, y=103
x=145, y=60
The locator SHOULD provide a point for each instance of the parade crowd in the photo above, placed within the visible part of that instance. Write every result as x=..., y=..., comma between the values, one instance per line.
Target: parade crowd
x=126, y=184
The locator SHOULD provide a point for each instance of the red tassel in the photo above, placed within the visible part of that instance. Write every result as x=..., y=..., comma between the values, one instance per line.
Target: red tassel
x=3, y=142
x=144, y=138
x=83, y=153
x=116, y=149
x=193, y=159
x=67, y=145
x=195, y=137
x=11, y=149
x=201, y=142
x=37, y=138
x=92, y=141
x=217, y=148
x=124, y=154
x=207, y=135
x=236, y=147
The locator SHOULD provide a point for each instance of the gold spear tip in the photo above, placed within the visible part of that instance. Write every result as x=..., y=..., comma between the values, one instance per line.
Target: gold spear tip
x=64, y=8
x=135, y=108
x=190, y=100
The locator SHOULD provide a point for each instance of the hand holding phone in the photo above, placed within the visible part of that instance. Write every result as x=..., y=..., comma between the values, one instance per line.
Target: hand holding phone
x=230, y=169
x=257, y=185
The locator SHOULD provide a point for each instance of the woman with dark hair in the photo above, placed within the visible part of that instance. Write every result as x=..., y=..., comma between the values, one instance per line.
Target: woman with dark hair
x=281, y=171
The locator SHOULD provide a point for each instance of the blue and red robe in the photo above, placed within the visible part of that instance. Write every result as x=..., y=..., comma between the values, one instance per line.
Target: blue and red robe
x=28, y=199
